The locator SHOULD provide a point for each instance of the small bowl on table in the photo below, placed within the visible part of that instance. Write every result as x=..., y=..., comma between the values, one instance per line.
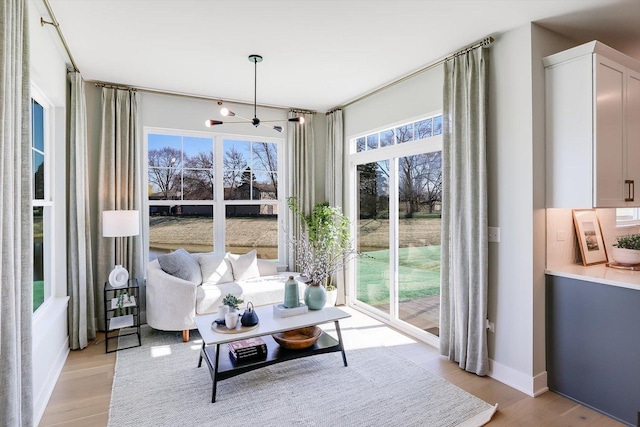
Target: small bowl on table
x=298, y=339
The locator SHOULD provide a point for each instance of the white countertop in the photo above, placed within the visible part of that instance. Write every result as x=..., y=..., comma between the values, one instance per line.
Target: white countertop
x=599, y=274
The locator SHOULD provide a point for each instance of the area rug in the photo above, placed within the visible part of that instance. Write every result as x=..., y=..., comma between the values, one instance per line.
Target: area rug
x=159, y=384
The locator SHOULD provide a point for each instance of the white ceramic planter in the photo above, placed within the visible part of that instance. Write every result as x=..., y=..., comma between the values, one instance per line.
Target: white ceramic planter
x=625, y=256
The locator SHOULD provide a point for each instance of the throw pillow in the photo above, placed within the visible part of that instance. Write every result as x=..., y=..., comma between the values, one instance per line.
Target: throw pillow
x=181, y=264
x=245, y=266
x=215, y=268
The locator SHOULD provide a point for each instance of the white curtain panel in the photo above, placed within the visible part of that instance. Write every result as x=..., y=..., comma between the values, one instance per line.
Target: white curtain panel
x=334, y=179
x=82, y=325
x=119, y=186
x=302, y=176
x=464, y=279
x=16, y=221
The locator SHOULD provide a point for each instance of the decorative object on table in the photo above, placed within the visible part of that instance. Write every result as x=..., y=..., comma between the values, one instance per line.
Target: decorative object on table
x=589, y=236
x=315, y=296
x=232, y=301
x=279, y=310
x=626, y=250
x=298, y=339
x=231, y=320
x=322, y=249
x=249, y=317
x=119, y=224
x=247, y=350
x=221, y=328
x=291, y=295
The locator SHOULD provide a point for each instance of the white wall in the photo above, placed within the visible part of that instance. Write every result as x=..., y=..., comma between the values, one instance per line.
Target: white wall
x=516, y=205
x=50, y=336
x=409, y=99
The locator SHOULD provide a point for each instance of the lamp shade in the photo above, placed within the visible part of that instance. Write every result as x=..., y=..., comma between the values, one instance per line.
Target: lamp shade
x=120, y=223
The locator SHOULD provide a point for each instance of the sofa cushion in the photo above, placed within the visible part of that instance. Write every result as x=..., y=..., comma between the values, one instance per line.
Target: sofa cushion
x=216, y=268
x=181, y=264
x=245, y=266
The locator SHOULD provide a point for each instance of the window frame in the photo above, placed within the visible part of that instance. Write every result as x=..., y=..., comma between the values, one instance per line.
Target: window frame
x=391, y=153
x=218, y=202
x=47, y=202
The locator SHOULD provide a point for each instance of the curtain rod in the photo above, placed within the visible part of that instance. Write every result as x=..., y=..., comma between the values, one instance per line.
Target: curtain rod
x=220, y=101
x=56, y=24
x=483, y=43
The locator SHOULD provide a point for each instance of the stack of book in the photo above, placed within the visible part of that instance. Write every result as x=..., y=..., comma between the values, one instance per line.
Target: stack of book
x=248, y=350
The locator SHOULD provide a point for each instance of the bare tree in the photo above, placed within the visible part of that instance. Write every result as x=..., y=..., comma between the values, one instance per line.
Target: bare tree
x=164, y=169
x=420, y=181
x=234, y=165
x=198, y=177
x=267, y=154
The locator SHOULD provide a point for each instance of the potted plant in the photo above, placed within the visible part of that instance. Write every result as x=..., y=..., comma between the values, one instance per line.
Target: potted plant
x=232, y=301
x=322, y=248
x=626, y=250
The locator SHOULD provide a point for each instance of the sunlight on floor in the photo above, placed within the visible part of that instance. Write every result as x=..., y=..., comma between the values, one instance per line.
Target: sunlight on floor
x=160, y=351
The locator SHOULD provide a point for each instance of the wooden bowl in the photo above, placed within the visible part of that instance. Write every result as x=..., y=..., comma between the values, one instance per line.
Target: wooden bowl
x=298, y=339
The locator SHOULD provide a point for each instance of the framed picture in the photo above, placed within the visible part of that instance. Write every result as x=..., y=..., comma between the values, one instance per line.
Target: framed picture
x=589, y=236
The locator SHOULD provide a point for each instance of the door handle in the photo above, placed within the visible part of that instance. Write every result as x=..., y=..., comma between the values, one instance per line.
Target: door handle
x=631, y=190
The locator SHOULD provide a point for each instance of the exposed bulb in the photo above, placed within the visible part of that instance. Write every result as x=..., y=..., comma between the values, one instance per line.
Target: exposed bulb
x=226, y=112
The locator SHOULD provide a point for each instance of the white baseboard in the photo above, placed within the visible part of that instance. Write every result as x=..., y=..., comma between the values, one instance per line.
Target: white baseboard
x=532, y=386
x=50, y=351
x=42, y=398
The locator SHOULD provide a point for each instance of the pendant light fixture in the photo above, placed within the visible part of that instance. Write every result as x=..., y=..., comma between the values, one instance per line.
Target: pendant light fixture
x=255, y=121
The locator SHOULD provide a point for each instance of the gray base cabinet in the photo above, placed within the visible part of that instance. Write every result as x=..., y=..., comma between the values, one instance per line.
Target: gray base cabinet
x=593, y=345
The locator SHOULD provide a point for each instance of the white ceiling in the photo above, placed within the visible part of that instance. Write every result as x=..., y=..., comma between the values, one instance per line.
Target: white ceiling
x=318, y=54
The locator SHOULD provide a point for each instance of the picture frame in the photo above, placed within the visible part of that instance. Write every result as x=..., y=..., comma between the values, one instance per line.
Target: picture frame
x=589, y=236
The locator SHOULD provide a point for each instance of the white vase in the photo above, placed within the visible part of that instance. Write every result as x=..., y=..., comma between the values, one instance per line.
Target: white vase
x=332, y=297
x=118, y=277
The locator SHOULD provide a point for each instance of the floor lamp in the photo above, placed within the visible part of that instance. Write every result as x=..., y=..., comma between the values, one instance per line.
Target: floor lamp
x=119, y=224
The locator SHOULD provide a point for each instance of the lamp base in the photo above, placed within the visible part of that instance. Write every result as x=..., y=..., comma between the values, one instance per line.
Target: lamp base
x=118, y=277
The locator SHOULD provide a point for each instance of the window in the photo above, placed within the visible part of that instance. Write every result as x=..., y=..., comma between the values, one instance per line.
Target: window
x=42, y=203
x=627, y=216
x=420, y=129
x=214, y=193
x=397, y=198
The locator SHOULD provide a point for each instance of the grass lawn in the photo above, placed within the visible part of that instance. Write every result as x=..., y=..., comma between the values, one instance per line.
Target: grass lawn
x=418, y=274
x=38, y=294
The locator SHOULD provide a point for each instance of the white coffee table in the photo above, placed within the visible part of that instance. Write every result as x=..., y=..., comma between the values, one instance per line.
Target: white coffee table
x=222, y=367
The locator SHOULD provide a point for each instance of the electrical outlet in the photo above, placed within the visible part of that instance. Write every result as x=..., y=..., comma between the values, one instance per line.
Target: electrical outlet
x=494, y=234
x=490, y=325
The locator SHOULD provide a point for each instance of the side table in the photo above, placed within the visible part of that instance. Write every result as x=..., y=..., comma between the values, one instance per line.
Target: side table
x=121, y=315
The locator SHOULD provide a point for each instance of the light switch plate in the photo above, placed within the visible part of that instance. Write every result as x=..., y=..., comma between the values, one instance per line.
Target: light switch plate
x=494, y=234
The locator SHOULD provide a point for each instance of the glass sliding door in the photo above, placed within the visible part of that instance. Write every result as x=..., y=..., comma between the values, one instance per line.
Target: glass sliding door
x=419, y=190
x=396, y=212
x=373, y=235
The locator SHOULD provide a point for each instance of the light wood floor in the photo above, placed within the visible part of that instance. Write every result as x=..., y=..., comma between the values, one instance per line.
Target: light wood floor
x=82, y=394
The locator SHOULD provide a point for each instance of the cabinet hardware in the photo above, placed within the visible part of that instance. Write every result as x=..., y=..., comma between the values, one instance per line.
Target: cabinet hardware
x=631, y=190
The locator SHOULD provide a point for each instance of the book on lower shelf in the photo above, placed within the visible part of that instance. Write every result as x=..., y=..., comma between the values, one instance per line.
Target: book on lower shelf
x=249, y=349
x=279, y=310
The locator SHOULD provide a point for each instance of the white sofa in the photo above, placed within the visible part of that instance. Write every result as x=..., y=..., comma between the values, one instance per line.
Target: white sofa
x=185, y=289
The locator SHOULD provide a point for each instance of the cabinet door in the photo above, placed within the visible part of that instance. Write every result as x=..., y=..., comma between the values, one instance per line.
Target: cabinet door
x=609, y=159
x=632, y=119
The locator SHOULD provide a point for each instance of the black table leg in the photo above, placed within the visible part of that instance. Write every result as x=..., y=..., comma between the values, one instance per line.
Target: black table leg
x=344, y=356
x=215, y=374
x=201, y=353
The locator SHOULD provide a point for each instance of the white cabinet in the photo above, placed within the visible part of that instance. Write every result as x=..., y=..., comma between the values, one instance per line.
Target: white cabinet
x=592, y=128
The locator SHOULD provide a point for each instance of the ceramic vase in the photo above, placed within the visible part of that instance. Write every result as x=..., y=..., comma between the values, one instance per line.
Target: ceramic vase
x=315, y=297
x=291, y=296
